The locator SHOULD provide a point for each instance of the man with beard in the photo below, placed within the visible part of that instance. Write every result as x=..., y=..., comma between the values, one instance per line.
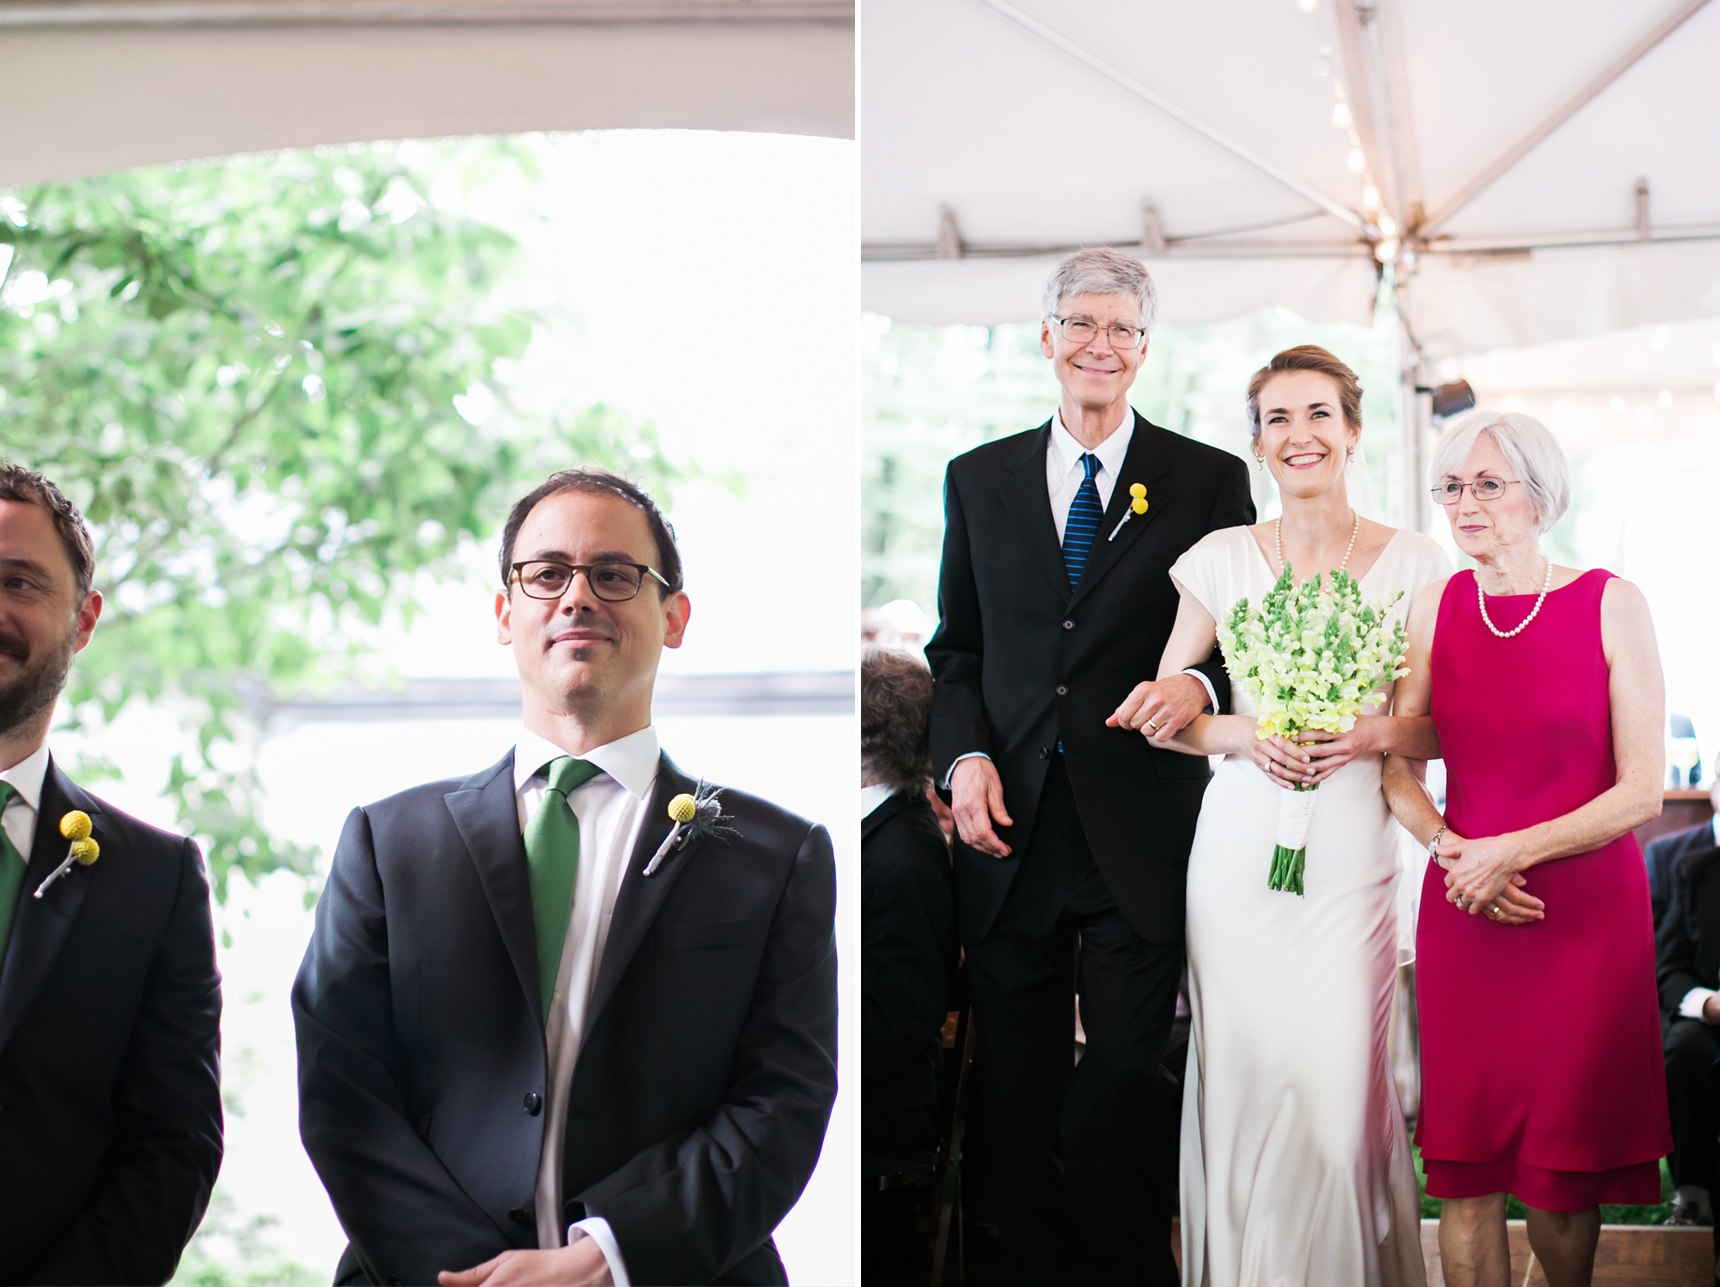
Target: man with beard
x=110, y=1095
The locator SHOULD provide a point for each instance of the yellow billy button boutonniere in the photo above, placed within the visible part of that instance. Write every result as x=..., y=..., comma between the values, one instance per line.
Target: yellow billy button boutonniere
x=75, y=826
x=698, y=816
x=1137, y=505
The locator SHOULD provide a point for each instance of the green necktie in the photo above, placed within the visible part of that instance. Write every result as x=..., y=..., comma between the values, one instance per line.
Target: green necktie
x=552, y=856
x=11, y=871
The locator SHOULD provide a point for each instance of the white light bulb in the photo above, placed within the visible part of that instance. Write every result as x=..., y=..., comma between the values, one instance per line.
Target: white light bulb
x=1387, y=226
x=1387, y=250
x=1341, y=115
x=1371, y=199
x=1357, y=160
x=1307, y=6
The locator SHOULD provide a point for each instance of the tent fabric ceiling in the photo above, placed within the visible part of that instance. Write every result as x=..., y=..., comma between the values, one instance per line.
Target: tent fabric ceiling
x=1030, y=149
x=90, y=89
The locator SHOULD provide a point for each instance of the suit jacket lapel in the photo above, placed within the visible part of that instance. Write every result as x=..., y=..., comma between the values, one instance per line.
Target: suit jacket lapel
x=1143, y=463
x=1028, y=501
x=40, y=925
x=486, y=812
x=640, y=898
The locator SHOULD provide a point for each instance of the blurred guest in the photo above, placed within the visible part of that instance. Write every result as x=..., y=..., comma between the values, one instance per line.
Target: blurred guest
x=1687, y=959
x=1664, y=851
x=908, y=913
x=1538, y=886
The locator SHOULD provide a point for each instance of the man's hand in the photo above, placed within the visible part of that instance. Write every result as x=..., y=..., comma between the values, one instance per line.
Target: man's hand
x=1711, y=1008
x=1160, y=708
x=976, y=796
x=581, y=1264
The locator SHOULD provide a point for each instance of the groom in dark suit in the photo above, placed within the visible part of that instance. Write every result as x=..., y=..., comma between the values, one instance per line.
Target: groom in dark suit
x=110, y=1005
x=537, y=1044
x=1055, y=606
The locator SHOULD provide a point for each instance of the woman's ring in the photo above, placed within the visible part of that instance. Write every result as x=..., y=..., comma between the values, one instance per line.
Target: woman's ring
x=1461, y=905
x=1493, y=909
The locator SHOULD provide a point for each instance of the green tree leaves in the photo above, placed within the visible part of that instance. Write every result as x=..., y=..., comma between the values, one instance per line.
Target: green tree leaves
x=277, y=388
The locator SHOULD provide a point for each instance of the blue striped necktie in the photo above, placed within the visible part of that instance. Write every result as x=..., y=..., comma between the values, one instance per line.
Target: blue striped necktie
x=1085, y=513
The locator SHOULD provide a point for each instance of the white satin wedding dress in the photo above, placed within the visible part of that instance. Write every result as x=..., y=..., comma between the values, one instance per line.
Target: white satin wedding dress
x=1296, y=1169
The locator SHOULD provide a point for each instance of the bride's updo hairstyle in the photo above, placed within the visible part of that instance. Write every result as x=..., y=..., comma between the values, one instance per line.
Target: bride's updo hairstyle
x=1308, y=357
x=1532, y=452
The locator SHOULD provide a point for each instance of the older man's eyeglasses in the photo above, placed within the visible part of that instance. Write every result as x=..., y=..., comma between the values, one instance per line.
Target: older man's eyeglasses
x=1078, y=330
x=611, y=582
x=1483, y=489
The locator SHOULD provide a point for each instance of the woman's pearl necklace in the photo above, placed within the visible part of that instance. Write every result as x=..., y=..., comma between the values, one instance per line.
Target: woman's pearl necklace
x=1355, y=526
x=1546, y=584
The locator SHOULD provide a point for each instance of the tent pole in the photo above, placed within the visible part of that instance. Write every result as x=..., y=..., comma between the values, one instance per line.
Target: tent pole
x=1414, y=414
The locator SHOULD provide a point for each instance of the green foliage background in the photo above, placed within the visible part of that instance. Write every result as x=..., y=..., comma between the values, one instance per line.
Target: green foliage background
x=249, y=375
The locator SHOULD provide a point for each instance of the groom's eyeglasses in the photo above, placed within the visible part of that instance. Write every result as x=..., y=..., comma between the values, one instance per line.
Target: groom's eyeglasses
x=1078, y=330
x=611, y=582
x=1483, y=489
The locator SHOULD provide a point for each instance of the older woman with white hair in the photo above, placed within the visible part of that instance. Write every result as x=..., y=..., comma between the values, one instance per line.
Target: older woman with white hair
x=1535, y=986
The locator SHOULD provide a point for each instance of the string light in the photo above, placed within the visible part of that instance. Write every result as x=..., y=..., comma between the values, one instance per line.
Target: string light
x=1371, y=199
x=1387, y=226
x=1357, y=160
x=1341, y=115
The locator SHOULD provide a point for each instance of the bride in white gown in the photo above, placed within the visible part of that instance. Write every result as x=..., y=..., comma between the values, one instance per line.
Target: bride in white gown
x=1296, y=1168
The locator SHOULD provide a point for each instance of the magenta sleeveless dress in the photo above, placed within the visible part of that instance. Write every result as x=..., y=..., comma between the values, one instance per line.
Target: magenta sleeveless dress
x=1540, y=1043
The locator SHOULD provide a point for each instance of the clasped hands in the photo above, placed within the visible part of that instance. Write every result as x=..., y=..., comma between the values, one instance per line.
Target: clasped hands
x=1482, y=874
x=579, y=1264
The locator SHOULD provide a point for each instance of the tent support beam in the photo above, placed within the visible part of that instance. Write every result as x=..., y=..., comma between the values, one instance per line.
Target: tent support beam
x=1581, y=98
x=1194, y=248
x=390, y=13
x=1129, y=84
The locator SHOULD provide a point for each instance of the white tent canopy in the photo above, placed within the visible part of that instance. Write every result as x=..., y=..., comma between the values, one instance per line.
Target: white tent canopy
x=1233, y=145
x=94, y=87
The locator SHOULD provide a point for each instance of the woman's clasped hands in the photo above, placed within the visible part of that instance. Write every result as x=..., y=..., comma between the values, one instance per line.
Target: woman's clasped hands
x=1314, y=755
x=1481, y=877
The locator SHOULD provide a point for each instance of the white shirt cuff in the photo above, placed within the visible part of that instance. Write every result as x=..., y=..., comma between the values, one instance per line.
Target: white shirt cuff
x=1211, y=692
x=982, y=755
x=1691, y=1006
x=597, y=1229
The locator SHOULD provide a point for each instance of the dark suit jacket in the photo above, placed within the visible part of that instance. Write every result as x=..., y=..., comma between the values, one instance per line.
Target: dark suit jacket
x=708, y=1067
x=110, y=1083
x=908, y=916
x=1021, y=660
x=1662, y=853
x=1687, y=946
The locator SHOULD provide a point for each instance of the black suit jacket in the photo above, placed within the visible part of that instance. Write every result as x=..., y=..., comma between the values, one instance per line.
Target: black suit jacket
x=1687, y=946
x=110, y=1083
x=1660, y=855
x=908, y=916
x=1022, y=661
x=706, y=1075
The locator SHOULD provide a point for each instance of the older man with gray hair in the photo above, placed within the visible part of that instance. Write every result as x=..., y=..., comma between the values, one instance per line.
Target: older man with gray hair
x=1055, y=602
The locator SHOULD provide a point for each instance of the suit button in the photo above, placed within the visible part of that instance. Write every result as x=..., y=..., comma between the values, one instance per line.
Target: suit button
x=1045, y=752
x=1062, y=691
x=522, y=1217
x=1069, y=625
x=534, y=1102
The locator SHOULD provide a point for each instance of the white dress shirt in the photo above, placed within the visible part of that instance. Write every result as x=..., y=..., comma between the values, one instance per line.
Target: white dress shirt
x=1691, y=1006
x=26, y=777
x=873, y=796
x=1063, y=476
x=611, y=809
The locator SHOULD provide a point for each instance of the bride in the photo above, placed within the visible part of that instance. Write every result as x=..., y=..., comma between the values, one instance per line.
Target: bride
x=1295, y=1164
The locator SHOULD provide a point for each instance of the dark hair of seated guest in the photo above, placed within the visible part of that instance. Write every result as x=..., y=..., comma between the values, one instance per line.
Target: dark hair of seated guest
x=895, y=718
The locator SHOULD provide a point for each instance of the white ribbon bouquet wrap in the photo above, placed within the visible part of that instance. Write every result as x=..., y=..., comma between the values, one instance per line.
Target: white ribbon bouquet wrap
x=1310, y=656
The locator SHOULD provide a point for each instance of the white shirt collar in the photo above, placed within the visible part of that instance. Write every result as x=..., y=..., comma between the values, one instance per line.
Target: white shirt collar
x=873, y=796
x=630, y=760
x=27, y=775
x=1067, y=452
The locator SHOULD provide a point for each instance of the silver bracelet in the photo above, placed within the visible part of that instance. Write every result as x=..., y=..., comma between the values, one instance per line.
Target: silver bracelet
x=1433, y=845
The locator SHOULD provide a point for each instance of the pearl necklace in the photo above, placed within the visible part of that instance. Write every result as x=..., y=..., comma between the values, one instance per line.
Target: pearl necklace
x=1546, y=584
x=1355, y=526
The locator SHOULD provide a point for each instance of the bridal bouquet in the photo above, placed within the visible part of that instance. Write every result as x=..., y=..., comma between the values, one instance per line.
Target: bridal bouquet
x=1309, y=657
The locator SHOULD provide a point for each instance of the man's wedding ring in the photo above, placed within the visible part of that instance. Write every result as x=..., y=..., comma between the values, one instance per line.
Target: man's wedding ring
x=1152, y=726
